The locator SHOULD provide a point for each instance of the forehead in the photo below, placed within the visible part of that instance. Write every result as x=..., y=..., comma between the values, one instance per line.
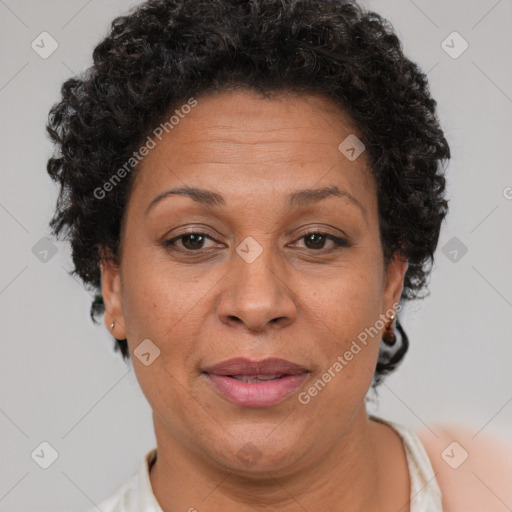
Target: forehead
x=243, y=144
x=228, y=118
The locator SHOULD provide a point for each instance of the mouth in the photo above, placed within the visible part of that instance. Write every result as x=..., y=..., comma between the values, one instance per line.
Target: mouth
x=257, y=378
x=256, y=383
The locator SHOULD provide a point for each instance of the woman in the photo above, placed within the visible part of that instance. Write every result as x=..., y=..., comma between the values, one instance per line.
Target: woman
x=255, y=188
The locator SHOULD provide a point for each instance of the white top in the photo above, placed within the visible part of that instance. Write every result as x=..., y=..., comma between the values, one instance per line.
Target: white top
x=136, y=494
x=425, y=494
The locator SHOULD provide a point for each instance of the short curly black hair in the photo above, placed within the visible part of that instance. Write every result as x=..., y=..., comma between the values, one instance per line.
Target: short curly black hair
x=163, y=52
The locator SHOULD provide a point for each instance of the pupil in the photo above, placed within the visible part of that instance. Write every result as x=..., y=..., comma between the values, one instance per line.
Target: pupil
x=312, y=236
x=193, y=237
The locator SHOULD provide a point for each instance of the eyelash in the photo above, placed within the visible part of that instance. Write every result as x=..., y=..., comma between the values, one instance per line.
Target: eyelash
x=340, y=242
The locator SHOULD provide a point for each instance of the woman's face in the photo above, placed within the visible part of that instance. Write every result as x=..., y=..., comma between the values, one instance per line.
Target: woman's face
x=250, y=282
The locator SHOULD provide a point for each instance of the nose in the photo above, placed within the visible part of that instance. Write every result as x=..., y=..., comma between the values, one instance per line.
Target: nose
x=257, y=294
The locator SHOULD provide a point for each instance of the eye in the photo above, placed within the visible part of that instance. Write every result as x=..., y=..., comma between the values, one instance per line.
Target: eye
x=315, y=240
x=192, y=241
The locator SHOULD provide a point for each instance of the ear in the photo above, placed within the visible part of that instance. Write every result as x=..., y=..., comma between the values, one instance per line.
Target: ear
x=111, y=291
x=394, y=277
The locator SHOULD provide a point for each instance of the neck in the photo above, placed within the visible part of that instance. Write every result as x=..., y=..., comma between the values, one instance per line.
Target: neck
x=346, y=476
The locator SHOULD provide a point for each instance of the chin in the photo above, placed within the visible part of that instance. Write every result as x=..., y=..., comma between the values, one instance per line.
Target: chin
x=254, y=451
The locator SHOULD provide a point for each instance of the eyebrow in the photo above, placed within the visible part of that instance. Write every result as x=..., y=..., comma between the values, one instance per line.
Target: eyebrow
x=295, y=199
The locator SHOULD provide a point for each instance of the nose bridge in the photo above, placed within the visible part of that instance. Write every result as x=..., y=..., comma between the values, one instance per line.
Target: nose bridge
x=257, y=291
x=257, y=266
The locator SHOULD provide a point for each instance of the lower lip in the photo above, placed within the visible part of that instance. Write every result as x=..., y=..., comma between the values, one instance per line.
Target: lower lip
x=257, y=394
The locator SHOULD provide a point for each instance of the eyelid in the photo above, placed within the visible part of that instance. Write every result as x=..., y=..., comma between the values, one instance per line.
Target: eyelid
x=322, y=231
x=339, y=242
x=196, y=230
x=170, y=241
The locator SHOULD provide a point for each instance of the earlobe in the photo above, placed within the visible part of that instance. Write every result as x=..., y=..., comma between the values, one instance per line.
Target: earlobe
x=111, y=291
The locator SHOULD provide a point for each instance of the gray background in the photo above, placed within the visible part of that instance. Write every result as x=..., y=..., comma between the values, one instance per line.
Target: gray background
x=62, y=382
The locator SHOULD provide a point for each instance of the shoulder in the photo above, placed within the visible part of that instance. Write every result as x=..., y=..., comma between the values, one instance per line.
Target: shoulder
x=473, y=469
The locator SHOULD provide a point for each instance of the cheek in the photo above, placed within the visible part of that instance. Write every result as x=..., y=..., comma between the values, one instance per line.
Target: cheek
x=145, y=290
x=347, y=311
x=350, y=299
x=158, y=306
x=163, y=305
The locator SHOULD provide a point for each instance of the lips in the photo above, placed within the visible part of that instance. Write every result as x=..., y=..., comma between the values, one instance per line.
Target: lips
x=256, y=378
x=256, y=383
x=241, y=366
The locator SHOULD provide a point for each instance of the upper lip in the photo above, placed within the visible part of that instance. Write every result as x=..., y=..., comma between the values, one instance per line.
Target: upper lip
x=243, y=366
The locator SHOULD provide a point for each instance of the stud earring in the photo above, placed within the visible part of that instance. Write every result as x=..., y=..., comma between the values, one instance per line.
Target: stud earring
x=112, y=325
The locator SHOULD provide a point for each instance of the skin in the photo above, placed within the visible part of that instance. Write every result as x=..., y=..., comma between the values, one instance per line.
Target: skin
x=296, y=300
